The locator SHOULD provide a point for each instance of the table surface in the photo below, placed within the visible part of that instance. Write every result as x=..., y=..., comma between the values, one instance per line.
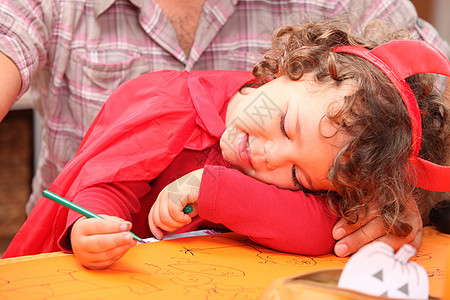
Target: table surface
x=223, y=266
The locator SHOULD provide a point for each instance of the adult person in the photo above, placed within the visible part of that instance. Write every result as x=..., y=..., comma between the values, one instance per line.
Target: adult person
x=75, y=53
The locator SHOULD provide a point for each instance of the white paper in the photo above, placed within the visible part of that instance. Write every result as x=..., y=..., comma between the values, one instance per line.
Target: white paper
x=181, y=235
x=377, y=270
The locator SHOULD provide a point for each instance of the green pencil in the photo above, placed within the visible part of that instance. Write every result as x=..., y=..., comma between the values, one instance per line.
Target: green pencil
x=77, y=208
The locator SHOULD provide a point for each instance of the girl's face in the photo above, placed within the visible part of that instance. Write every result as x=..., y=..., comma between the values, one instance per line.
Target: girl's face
x=273, y=133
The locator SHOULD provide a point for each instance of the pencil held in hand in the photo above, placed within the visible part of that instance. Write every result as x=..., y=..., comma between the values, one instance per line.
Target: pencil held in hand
x=76, y=208
x=188, y=209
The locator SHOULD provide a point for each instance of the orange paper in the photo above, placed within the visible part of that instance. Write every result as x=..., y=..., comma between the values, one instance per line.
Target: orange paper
x=224, y=266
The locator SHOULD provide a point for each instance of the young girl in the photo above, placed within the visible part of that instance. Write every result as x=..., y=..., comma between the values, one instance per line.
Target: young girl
x=322, y=113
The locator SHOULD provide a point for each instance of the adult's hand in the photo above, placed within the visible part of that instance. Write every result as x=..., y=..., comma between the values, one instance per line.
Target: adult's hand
x=351, y=237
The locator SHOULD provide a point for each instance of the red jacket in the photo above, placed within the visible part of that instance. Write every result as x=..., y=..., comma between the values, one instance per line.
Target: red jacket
x=141, y=129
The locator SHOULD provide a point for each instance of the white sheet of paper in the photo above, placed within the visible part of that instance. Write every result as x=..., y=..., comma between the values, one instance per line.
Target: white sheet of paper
x=377, y=270
x=181, y=235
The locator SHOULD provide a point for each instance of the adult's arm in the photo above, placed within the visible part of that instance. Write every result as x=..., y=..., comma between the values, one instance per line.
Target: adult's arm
x=10, y=83
x=289, y=221
x=25, y=30
x=401, y=14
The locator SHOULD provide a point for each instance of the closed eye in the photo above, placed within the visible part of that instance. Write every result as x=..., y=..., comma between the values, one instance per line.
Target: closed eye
x=294, y=179
x=282, y=128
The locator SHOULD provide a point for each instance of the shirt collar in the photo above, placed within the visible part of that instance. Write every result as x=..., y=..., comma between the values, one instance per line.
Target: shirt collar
x=100, y=6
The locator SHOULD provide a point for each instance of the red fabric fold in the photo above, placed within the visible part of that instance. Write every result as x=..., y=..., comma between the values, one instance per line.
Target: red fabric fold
x=115, y=148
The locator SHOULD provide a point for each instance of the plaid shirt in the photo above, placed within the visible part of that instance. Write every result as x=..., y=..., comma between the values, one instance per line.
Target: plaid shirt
x=75, y=53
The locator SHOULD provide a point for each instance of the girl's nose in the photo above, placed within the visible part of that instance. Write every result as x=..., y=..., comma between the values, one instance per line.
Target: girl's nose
x=276, y=154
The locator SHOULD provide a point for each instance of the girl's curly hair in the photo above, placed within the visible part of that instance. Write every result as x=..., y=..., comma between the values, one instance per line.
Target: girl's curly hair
x=371, y=168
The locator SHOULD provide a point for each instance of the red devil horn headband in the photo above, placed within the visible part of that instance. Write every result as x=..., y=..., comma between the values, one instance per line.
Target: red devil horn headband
x=398, y=60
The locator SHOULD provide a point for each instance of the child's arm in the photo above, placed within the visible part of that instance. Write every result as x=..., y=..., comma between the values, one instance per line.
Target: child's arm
x=285, y=220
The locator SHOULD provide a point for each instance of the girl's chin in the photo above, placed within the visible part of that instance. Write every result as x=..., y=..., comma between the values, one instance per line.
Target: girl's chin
x=245, y=170
x=240, y=168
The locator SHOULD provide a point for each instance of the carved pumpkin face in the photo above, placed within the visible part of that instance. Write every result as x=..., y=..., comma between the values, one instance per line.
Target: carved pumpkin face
x=376, y=270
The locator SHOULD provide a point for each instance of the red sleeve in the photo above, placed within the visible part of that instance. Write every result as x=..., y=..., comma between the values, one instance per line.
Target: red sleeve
x=285, y=220
x=114, y=199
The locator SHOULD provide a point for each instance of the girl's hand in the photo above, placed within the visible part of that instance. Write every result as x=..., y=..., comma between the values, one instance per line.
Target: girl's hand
x=98, y=243
x=167, y=212
x=351, y=237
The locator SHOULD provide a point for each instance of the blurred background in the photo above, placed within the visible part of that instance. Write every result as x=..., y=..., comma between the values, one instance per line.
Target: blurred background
x=19, y=139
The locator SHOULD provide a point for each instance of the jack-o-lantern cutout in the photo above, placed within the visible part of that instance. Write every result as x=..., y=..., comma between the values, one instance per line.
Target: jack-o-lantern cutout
x=377, y=270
